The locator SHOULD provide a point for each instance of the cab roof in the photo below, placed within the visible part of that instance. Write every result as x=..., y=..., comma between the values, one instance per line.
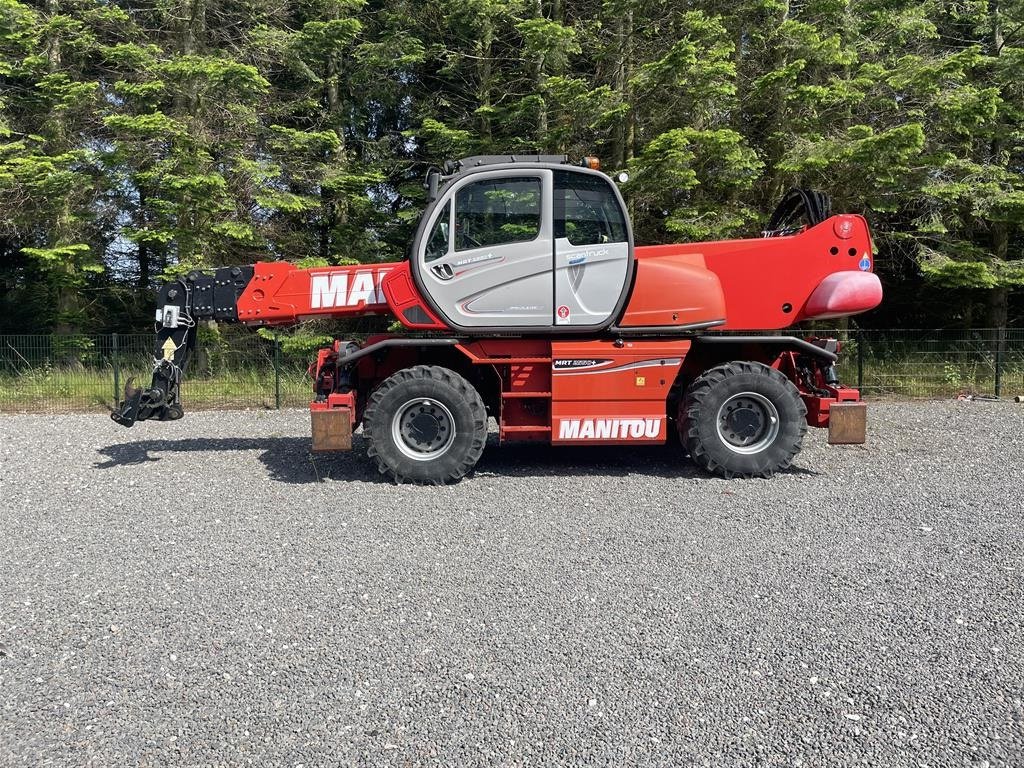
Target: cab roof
x=476, y=161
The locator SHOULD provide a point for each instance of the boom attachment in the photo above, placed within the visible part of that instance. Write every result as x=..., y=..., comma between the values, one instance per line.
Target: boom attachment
x=265, y=294
x=181, y=304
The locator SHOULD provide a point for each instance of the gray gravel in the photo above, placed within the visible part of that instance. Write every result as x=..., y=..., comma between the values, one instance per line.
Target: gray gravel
x=203, y=592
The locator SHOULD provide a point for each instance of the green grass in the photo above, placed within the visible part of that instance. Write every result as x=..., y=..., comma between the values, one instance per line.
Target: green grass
x=51, y=390
x=55, y=391
x=914, y=379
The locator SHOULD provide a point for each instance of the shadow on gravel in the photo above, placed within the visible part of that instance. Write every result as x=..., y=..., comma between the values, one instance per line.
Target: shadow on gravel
x=289, y=459
x=664, y=461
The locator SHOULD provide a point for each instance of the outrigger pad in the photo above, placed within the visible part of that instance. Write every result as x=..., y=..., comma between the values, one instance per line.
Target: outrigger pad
x=847, y=423
x=332, y=429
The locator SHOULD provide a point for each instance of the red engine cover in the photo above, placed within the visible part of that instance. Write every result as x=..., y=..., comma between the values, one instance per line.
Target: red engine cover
x=768, y=282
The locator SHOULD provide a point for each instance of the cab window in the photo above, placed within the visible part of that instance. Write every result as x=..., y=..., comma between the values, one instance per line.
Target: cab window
x=496, y=212
x=587, y=211
x=437, y=244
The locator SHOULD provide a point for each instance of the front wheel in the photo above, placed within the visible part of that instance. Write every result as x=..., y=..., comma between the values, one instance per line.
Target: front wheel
x=425, y=424
x=742, y=419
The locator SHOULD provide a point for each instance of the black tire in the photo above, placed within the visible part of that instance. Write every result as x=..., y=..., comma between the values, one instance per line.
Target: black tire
x=725, y=420
x=425, y=425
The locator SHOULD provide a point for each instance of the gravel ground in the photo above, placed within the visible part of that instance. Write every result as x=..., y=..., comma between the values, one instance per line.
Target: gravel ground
x=203, y=592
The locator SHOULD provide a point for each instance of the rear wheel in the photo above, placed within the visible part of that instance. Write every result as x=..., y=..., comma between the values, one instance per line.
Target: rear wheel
x=425, y=424
x=742, y=419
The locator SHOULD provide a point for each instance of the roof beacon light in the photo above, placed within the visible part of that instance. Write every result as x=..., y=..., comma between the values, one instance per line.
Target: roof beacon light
x=592, y=163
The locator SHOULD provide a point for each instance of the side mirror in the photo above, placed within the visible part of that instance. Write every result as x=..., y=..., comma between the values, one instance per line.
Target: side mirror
x=433, y=183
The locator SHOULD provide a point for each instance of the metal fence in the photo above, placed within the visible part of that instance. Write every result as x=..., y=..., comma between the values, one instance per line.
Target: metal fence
x=928, y=363
x=74, y=373
x=52, y=374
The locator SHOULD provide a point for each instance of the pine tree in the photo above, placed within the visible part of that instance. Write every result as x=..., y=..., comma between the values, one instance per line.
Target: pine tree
x=140, y=140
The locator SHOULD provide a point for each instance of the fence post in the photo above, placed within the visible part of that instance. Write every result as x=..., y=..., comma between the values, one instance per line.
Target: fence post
x=117, y=368
x=277, y=371
x=860, y=358
x=999, y=360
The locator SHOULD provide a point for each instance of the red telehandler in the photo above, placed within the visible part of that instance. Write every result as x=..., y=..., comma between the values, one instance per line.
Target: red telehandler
x=524, y=298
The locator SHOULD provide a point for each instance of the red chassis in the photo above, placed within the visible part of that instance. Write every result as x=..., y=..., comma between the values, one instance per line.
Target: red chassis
x=612, y=390
x=563, y=392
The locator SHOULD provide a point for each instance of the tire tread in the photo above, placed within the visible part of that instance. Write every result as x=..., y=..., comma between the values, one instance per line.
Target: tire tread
x=465, y=390
x=703, y=388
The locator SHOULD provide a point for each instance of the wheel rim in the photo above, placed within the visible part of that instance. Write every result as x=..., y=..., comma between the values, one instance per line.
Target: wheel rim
x=423, y=429
x=747, y=423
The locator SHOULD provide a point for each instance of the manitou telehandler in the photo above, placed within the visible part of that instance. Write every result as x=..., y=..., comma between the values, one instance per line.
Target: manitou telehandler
x=525, y=299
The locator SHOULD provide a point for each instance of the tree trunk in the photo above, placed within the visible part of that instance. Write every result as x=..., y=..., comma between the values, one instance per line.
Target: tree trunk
x=145, y=267
x=143, y=254
x=998, y=298
x=191, y=22
x=997, y=28
x=483, y=68
x=53, y=65
x=192, y=17
x=538, y=85
x=619, y=87
x=334, y=210
x=998, y=309
x=66, y=293
x=778, y=117
x=53, y=42
x=629, y=140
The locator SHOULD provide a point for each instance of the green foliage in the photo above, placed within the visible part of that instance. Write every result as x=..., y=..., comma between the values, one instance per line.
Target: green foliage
x=57, y=253
x=441, y=141
x=301, y=342
x=691, y=177
x=152, y=125
x=951, y=273
x=180, y=134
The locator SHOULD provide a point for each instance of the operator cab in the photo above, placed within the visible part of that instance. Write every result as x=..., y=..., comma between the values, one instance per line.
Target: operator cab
x=524, y=243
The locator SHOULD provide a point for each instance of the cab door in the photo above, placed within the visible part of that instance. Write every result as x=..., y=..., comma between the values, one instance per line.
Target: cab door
x=487, y=260
x=593, y=249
